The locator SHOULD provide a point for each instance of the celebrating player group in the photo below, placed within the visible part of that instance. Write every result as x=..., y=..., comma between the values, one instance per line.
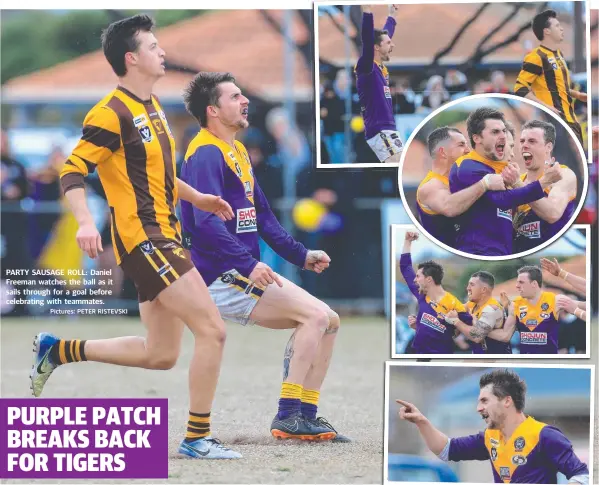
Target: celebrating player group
x=486, y=320
x=474, y=198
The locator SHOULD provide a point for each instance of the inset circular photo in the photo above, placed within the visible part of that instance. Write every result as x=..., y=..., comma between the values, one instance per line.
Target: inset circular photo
x=493, y=176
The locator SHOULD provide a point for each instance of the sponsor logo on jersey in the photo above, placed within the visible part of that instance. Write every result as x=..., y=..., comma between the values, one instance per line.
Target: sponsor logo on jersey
x=504, y=472
x=387, y=92
x=248, y=189
x=531, y=323
x=505, y=214
x=493, y=454
x=142, y=119
x=494, y=442
x=432, y=322
x=533, y=338
x=238, y=170
x=531, y=230
x=246, y=220
x=147, y=247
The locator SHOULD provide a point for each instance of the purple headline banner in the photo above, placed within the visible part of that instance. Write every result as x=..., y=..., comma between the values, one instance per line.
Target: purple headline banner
x=84, y=438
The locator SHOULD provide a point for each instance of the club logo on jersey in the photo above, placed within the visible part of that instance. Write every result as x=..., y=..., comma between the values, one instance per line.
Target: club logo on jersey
x=544, y=316
x=246, y=220
x=505, y=214
x=248, y=189
x=387, y=92
x=532, y=230
x=545, y=307
x=146, y=133
x=431, y=322
x=504, y=472
x=147, y=247
x=553, y=63
x=519, y=443
x=519, y=460
x=493, y=454
x=533, y=338
x=179, y=252
x=142, y=119
x=523, y=315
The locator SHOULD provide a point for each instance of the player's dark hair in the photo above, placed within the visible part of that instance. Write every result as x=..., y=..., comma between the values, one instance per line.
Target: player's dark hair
x=534, y=273
x=506, y=383
x=204, y=91
x=486, y=277
x=477, y=119
x=541, y=22
x=509, y=127
x=439, y=135
x=432, y=269
x=378, y=36
x=548, y=129
x=120, y=37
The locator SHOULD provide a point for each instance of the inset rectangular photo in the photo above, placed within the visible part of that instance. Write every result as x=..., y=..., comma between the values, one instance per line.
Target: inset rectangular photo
x=451, y=306
x=381, y=69
x=488, y=423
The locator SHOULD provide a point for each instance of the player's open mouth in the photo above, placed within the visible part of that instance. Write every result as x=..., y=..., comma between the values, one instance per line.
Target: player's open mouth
x=500, y=149
x=527, y=157
x=485, y=416
x=244, y=112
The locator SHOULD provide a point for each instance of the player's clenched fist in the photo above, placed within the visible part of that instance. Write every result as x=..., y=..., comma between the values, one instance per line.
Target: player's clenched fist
x=409, y=412
x=412, y=236
x=317, y=261
x=89, y=240
x=412, y=321
x=263, y=275
x=553, y=173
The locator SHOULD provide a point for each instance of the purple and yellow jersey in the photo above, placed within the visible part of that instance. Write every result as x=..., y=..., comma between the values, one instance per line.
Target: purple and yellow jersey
x=372, y=82
x=433, y=334
x=488, y=345
x=535, y=453
x=538, y=324
x=486, y=227
x=439, y=226
x=212, y=166
x=531, y=230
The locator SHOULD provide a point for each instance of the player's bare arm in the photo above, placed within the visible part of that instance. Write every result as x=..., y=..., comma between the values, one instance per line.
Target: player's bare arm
x=482, y=326
x=88, y=237
x=532, y=97
x=206, y=202
x=579, y=95
x=407, y=245
x=562, y=302
x=552, y=207
x=437, y=197
x=579, y=284
x=435, y=440
x=509, y=327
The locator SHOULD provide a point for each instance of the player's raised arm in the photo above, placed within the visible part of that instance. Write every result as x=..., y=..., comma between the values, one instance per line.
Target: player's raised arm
x=579, y=284
x=391, y=23
x=206, y=202
x=366, y=61
x=405, y=263
x=100, y=139
x=437, y=198
x=274, y=234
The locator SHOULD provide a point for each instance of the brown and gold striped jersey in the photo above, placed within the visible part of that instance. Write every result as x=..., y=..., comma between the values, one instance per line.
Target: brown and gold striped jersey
x=545, y=73
x=130, y=143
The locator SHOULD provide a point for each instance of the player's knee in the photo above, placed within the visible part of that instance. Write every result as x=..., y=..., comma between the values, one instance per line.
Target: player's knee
x=213, y=329
x=320, y=319
x=334, y=322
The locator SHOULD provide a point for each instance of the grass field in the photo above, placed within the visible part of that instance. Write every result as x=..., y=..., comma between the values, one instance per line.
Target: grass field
x=246, y=399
